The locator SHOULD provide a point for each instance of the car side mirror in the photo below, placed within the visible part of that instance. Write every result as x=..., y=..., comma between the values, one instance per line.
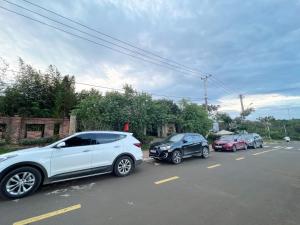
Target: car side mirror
x=184, y=141
x=235, y=139
x=61, y=145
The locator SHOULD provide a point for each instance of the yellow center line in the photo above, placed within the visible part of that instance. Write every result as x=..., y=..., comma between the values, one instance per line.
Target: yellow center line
x=166, y=180
x=258, y=153
x=47, y=215
x=213, y=166
x=240, y=158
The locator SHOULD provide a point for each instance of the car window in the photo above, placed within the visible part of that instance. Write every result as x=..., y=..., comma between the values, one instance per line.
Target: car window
x=198, y=138
x=174, y=138
x=189, y=138
x=103, y=138
x=227, y=138
x=79, y=140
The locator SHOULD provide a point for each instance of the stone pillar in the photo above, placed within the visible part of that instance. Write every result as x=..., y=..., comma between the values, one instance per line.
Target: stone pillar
x=49, y=129
x=15, y=129
x=72, y=126
x=64, y=128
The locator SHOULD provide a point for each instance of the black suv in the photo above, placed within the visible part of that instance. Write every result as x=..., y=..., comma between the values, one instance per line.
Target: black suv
x=178, y=146
x=253, y=140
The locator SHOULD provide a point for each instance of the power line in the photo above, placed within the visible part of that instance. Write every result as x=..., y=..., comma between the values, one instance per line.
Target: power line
x=89, y=40
x=94, y=36
x=118, y=89
x=189, y=69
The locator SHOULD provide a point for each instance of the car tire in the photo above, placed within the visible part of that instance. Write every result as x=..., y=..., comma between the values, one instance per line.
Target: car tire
x=234, y=148
x=205, y=153
x=176, y=157
x=261, y=146
x=20, y=182
x=123, y=166
x=254, y=145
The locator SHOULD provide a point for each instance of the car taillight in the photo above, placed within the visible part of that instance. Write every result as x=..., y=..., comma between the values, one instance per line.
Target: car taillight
x=139, y=145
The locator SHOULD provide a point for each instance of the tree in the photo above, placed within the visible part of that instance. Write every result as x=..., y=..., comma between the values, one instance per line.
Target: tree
x=247, y=112
x=225, y=120
x=3, y=69
x=194, y=118
x=37, y=94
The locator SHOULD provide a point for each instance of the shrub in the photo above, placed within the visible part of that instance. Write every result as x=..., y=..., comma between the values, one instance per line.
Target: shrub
x=2, y=142
x=39, y=141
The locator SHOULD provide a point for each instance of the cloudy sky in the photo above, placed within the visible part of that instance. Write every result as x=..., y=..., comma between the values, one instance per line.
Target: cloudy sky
x=250, y=47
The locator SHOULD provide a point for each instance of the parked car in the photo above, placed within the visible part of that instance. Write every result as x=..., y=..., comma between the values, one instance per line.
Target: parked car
x=178, y=146
x=80, y=155
x=287, y=139
x=253, y=140
x=229, y=143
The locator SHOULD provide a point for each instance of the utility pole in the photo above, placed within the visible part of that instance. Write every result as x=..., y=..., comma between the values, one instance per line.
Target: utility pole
x=242, y=105
x=205, y=90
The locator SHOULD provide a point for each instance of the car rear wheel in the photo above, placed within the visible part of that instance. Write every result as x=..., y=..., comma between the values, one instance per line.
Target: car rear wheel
x=20, y=182
x=176, y=157
x=205, y=153
x=123, y=166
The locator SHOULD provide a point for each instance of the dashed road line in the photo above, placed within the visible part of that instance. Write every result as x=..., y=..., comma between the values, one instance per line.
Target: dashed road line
x=47, y=215
x=259, y=153
x=287, y=148
x=266, y=146
x=166, y=180
x=213, y=166
x=240, y=158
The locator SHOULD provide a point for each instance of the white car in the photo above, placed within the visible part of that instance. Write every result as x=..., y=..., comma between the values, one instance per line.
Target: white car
x=80, y=155
x=287, y=139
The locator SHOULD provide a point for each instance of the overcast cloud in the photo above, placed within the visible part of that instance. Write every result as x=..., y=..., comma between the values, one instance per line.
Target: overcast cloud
x=252, y=47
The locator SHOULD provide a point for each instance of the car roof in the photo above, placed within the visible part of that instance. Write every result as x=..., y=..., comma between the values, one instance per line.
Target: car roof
x=101, y=132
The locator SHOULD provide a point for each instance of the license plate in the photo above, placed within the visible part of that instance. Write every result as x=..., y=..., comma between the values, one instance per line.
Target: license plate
x=218, y=146
x=153, y=151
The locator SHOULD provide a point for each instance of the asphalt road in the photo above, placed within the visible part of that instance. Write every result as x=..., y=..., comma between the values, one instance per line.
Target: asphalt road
x=254, y=187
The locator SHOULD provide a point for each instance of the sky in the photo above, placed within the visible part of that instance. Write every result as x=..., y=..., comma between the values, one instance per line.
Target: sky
x=250, y=48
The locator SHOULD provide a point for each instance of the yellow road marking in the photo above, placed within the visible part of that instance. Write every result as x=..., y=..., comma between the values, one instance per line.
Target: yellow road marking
x=47, y=215
x=166, y=180
x=240, y=158
x=264, y=152
x=213, y=166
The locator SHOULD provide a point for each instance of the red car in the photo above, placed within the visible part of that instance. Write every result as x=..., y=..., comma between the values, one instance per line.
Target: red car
x=229, y=143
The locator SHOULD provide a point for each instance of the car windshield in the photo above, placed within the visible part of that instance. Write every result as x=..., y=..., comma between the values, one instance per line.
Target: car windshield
x=174, y=138
x=226, y=138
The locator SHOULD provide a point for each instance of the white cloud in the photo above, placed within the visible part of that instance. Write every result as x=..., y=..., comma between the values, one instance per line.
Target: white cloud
x=232, y=104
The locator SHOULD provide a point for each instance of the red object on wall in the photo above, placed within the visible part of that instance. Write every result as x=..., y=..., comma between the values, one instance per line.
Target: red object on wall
x=126, y=127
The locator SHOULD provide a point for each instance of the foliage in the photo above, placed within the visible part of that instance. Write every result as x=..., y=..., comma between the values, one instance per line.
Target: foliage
x=112, y=111
x=38, y=141
x=247, y=112
x=37, y=94
x=194, y=118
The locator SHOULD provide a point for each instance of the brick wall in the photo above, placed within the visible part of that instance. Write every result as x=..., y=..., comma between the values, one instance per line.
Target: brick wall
x=16, y=127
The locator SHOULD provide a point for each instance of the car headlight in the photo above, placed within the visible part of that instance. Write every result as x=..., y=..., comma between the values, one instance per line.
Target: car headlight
x=164, y=148
x=3, y=158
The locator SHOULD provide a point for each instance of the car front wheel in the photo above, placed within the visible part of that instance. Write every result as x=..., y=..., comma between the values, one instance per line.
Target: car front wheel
x=205, y=153
x=234, y=148
x=176, y=157
x=20, y=182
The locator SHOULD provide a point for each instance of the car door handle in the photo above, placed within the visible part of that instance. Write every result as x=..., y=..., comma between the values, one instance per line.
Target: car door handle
x=87, y=150
x=117, y=146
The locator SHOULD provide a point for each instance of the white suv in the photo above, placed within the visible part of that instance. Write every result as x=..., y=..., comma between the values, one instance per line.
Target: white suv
x=80, y=155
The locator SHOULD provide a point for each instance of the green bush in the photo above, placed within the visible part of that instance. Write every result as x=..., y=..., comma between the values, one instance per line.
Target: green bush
x=39, y=141
x=2, y=142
